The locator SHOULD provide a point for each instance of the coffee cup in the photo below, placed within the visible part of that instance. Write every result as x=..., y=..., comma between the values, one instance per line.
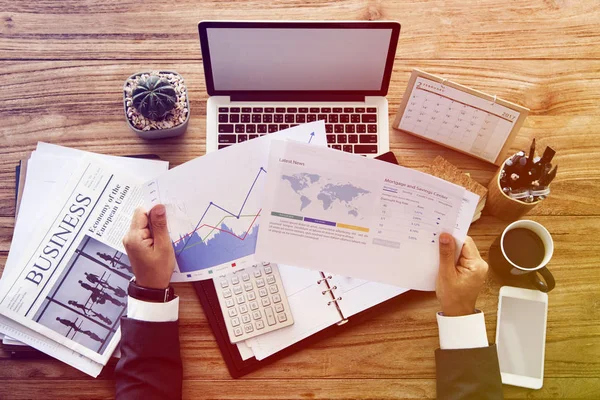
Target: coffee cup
x=524, y=249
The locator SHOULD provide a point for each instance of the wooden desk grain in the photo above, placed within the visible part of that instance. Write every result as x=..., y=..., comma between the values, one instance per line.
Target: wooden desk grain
x=62, y=64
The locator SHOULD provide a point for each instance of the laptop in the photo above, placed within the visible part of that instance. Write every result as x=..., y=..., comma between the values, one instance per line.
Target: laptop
x=265, y=76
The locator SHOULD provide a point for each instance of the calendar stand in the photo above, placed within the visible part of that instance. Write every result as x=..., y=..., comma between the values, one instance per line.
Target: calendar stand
x=455, y=116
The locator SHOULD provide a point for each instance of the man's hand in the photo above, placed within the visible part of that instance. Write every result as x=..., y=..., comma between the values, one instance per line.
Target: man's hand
x=149, y=248
x=459, y=285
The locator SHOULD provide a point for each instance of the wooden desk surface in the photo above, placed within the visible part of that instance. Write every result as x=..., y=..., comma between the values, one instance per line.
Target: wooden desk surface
x=63, y=63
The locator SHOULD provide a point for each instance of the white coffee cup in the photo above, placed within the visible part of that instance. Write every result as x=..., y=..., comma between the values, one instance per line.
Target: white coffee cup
x=540, y=269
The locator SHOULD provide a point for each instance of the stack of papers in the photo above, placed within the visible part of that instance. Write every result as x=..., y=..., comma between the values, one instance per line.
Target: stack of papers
x=347, y=232
x=64, y=286
x=57, y=293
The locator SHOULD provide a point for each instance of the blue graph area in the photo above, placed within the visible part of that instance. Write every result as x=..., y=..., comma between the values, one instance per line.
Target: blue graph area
x=194, y=254
x=223, y=247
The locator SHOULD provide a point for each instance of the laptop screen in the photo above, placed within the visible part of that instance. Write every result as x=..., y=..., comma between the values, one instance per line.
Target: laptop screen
x=299, y=57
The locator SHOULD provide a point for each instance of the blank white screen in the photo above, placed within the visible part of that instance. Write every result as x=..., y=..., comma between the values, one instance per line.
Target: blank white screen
x=521, y=337
x=298, y=59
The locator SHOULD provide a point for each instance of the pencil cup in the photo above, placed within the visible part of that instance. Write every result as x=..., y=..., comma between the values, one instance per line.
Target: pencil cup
x=502, y=206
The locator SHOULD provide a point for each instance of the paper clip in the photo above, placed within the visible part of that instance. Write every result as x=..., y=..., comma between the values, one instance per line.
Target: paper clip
x=444, y=80
x=323, y=280
x=494, y=101
x=328, y=290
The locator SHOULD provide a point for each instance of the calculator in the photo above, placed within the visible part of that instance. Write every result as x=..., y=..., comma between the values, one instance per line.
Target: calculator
x=253, y=301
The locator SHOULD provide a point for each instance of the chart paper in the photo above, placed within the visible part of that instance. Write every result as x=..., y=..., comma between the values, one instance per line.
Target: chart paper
x=214, y=203
x=359, y=217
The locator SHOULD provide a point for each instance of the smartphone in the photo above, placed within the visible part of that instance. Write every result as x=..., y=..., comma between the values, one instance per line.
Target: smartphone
x=521, y=336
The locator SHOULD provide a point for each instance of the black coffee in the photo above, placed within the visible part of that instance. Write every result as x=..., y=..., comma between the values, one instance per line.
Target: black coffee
x=524, y=247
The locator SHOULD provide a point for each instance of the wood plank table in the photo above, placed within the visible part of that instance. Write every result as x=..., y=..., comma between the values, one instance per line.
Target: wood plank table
x=62, y=66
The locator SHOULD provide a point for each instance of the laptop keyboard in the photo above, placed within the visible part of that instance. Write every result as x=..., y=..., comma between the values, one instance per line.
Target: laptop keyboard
x=350, y=129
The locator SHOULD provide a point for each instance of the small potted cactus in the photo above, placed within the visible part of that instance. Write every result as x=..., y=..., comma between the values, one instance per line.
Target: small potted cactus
x=156, y=104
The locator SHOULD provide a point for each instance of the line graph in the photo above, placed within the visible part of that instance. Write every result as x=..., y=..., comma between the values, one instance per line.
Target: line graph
x=215, y=228
x=212, y=244
x=188, y=235
x=214, y=203
x=186, y=238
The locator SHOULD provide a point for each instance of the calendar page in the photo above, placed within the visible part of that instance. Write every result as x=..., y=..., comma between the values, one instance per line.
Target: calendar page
x=457, y=119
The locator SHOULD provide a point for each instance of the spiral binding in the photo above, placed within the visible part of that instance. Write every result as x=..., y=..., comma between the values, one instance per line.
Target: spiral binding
x=331, y=289
x=334, y=301
x=328, y=290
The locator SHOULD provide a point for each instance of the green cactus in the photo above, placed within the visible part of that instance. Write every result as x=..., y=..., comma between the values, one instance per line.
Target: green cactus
x=154, y=97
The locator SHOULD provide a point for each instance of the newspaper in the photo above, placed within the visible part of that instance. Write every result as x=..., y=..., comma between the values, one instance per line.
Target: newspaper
x=70, y=286
x=48, y=170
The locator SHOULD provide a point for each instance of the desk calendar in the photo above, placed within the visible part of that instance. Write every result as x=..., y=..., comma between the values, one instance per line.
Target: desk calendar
x=458, y=117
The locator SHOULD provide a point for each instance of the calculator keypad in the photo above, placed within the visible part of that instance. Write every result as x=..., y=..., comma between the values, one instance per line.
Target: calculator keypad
x=253, y=301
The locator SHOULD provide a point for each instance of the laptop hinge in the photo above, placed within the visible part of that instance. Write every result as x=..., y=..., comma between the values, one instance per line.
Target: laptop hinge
x=287, y=97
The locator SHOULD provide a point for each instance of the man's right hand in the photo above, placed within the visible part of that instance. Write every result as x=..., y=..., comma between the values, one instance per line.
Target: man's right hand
x=458, y=285
x=149, y=248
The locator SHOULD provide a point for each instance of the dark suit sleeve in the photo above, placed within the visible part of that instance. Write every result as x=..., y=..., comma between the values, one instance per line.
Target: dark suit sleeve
x=150, y=364
x=468, y=374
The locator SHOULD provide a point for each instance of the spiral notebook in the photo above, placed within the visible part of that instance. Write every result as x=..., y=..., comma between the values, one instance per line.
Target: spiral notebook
x=319, y=300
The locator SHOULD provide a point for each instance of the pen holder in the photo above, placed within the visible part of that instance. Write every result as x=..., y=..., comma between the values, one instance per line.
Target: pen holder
x=502, y=206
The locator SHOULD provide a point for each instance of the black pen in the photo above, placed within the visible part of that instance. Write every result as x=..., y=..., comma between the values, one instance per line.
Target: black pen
x=540, y=167
x=523, y=171
x=547, y=156
x=531, y=154
x=546, y=179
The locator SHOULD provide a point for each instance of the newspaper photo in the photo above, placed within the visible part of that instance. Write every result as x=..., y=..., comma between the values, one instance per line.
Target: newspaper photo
x=89, y=297
x=71, y=285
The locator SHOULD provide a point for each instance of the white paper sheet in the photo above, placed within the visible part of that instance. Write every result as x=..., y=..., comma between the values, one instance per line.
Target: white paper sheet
x=358, y=295
x=309, y=308
x=214, y=203
x=357, y=216
x=12, y=342
x=48, y=346
x=46, y=175
x=245, y=351
x=139, y=168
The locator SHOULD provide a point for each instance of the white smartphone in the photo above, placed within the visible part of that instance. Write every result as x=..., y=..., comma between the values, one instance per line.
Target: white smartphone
x=521, y=336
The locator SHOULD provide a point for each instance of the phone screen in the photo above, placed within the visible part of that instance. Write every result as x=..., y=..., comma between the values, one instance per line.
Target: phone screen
x=521, y=336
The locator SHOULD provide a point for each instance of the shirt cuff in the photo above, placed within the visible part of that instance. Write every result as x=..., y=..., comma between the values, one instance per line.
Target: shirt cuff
x=464, y=332
x=153, y=312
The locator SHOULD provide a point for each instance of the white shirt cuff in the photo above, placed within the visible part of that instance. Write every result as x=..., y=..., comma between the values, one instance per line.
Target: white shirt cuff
x=153, y=312
x=465, y=332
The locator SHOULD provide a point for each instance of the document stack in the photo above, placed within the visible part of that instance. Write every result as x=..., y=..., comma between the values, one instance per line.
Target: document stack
x=347, y=233
x=64, y=285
